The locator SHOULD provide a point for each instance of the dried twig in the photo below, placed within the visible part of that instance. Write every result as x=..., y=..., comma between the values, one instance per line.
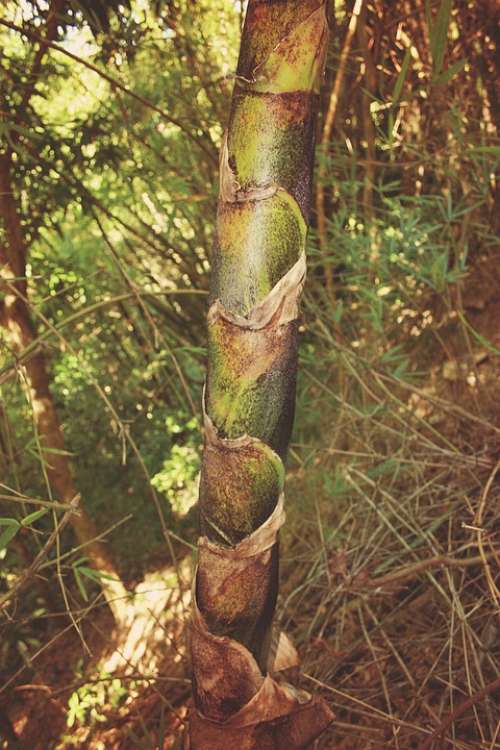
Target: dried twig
x=459, y=710
x=37, y=562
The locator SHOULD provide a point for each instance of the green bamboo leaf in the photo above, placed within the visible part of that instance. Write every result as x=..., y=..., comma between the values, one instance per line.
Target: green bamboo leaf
x=80, y=560
x=10, y=532
x=401, y=370
x=393, y=354
x=10, y=522
x=58, y=451
x=481, y=339
x=80, y=584
x=450, y=72
x=337, y=486
x=95, y=575
x=338, y=312
x=32, y=517
x=495, y=150
x=386, y=467
x=438, y=33
x=398, y=87
x=428, y=14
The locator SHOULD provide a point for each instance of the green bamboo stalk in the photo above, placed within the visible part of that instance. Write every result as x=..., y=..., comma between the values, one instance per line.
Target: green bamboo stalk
x=258, y=270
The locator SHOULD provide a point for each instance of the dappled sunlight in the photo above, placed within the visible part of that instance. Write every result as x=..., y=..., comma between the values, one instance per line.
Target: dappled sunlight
x=152, y=622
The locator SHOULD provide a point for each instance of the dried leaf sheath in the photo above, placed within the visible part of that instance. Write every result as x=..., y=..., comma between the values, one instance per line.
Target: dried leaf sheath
x=258, y=270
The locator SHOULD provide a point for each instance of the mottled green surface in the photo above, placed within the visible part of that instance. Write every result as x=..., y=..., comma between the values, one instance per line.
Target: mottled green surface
x=251, y=381
x=292, y=64
x=261, y=233
x=270, y=141
x=253, y=478
x=258, y=242
x=267, y=23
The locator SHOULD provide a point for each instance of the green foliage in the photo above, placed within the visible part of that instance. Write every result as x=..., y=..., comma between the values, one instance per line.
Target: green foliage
x=177, y=476
x=88, y=703
x=438, y=33
x=13, y=526
x=81, y=572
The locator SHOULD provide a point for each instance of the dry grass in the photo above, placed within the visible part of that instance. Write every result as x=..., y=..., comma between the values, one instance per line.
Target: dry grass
x=390, y=587
x=389, y=582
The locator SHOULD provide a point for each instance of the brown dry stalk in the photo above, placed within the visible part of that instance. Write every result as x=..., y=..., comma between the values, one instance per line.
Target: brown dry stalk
x=325, y=141
x=495, y=593
x=458, y=711
x=410, y=571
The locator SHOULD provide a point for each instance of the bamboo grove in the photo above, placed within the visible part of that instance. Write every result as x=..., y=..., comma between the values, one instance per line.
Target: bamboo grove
x=112, y=119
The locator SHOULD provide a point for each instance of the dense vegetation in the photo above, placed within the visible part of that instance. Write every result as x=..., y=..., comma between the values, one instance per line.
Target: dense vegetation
x=111, y=117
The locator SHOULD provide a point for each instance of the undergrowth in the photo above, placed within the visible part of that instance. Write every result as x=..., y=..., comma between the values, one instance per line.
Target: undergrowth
x=390, y=554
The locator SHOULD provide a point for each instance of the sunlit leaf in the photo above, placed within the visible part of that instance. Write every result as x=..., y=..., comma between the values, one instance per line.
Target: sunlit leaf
x=32, y=517
x=438, y=32
x=398, y=86
x=7, y=535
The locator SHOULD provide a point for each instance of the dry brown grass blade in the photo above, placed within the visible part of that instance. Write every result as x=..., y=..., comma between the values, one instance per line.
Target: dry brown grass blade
x=459, y=711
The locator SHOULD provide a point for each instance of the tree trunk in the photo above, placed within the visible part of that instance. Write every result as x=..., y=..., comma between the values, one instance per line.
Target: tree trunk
x=367, y=95
x=258, y=270
x=20, y=332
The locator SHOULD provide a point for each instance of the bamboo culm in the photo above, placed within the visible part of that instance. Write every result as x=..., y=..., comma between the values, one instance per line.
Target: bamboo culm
x=258, y=271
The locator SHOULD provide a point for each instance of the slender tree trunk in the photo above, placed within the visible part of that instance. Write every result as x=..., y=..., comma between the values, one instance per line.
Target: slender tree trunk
x=20, y=332
x=326, y=135
x=369, y=89
x=258, y=270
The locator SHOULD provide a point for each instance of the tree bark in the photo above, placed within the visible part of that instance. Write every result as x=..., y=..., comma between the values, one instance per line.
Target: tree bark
x=258, y=270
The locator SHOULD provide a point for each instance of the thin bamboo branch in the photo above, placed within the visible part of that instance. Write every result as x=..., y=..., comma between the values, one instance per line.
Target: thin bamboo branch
x=28, y=574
